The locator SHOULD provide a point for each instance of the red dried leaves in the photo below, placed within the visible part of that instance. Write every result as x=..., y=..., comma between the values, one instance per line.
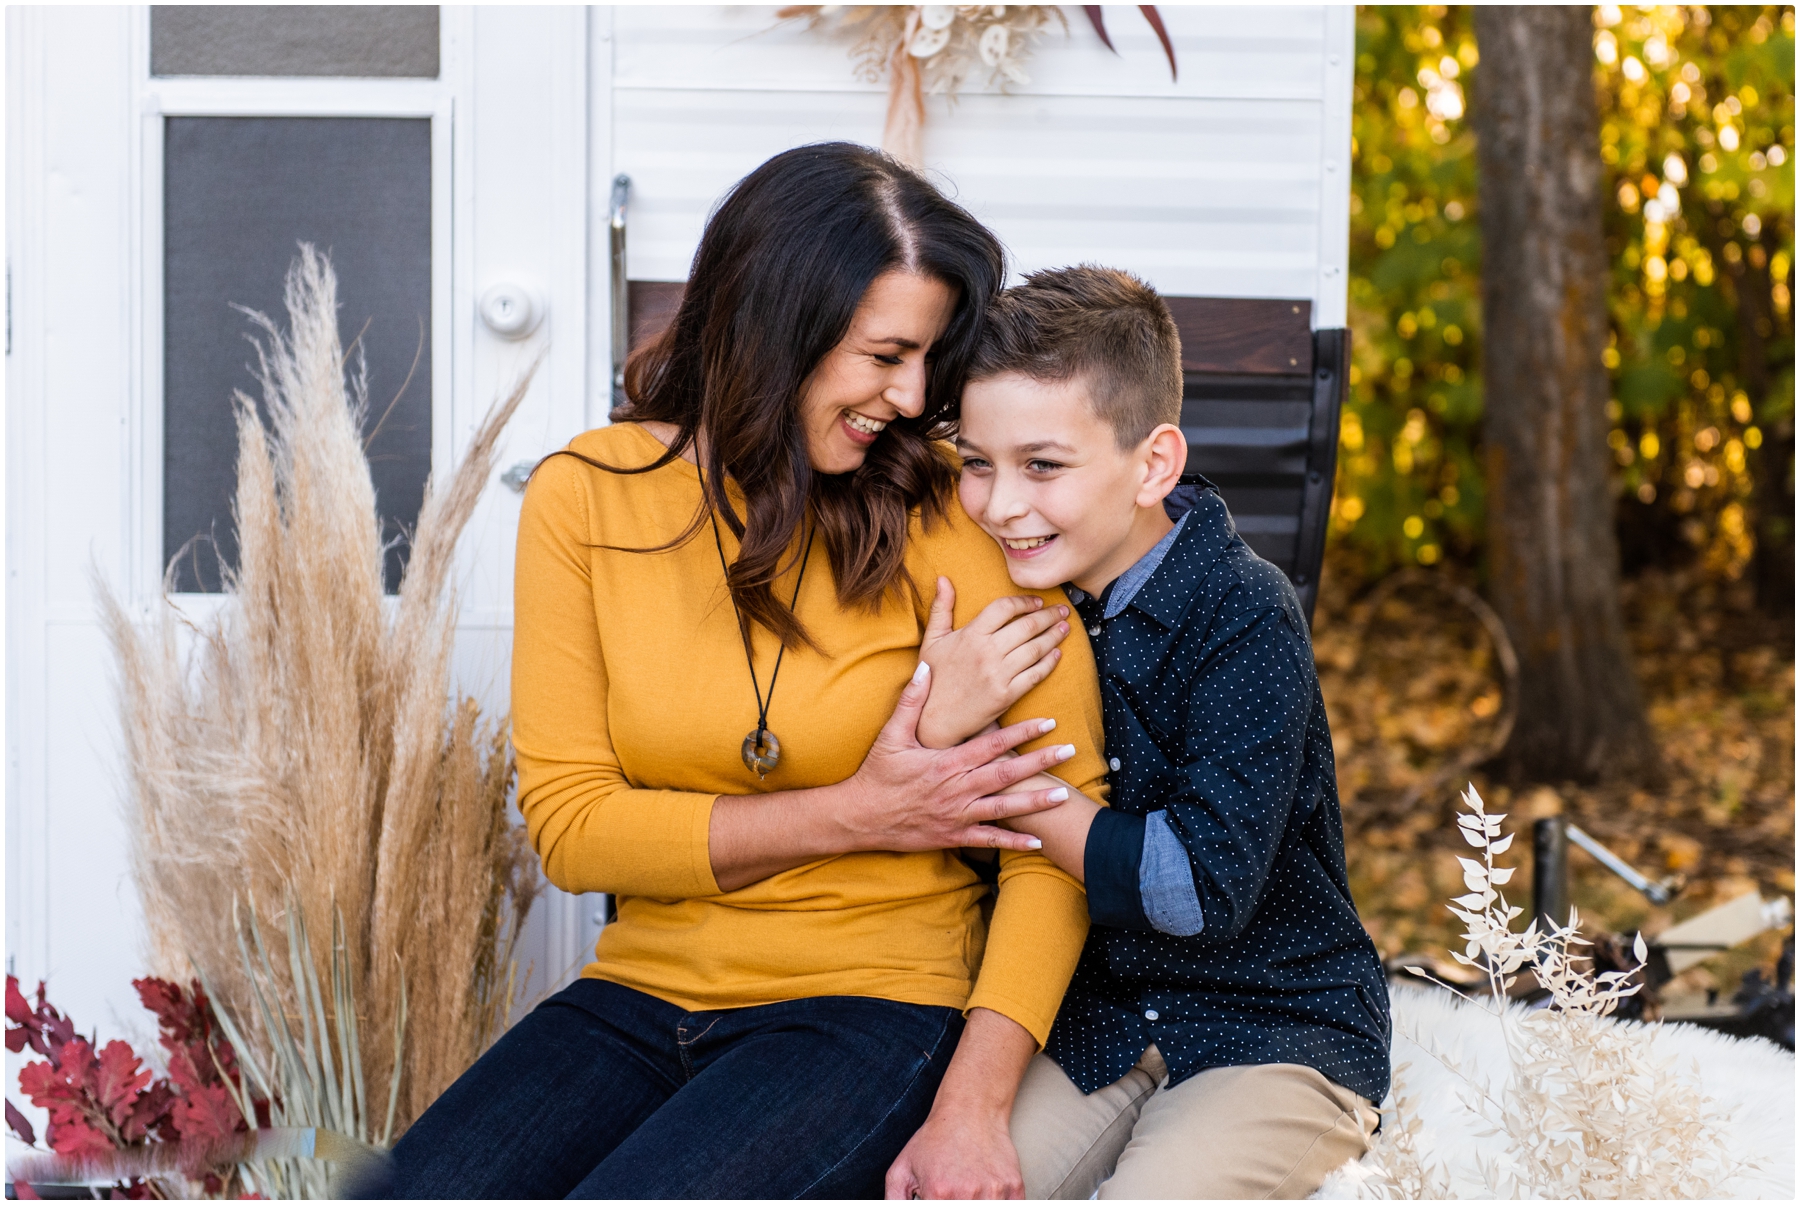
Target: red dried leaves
x=104, y=1101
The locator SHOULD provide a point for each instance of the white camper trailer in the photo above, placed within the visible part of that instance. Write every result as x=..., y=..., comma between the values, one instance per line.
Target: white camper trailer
x=164, y=161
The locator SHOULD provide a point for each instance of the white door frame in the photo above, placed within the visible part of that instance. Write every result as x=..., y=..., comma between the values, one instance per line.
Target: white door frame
x=510, y=166
x=157, y=99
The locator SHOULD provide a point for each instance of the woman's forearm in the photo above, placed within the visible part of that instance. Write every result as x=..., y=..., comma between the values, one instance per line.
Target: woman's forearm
x=964, y=1151
x=984, y=1073
x=904, y=798
x=752, y=837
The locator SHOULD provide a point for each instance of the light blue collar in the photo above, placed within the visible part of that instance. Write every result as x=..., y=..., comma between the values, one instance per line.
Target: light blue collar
x=1128, y=583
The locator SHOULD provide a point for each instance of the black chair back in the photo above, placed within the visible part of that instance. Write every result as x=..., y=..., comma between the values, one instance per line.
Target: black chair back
x=1260, y=411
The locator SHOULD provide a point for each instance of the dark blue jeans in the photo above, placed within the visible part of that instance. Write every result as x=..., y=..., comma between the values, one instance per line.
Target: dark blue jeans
x=606, y=1092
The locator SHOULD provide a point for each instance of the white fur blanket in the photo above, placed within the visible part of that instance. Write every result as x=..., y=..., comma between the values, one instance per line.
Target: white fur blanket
x=1750, y=1078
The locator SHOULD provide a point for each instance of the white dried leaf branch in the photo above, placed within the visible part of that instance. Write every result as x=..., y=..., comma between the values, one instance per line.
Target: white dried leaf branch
x=1396, y=1169
x=1588, y=1111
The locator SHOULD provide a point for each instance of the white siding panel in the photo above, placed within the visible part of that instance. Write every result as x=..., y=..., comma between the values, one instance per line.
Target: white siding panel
x=684, y=148
x=1252, y=52
x=1205, y=197
x=1221, y=52
x=1213, y=186
x=1202, y=197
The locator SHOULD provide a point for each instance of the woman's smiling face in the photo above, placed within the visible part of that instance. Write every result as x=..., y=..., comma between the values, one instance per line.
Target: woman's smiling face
x=877, y=372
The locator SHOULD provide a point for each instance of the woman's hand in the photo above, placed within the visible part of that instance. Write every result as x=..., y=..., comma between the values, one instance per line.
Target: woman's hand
x=907, y=797
x=1063, y=829
x=987, y=665
x=904, y=798
x=964, y=1151
x=958, y=1158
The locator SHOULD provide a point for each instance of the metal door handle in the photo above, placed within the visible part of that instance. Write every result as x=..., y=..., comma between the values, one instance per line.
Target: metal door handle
x=511, y=310
x=621, y=290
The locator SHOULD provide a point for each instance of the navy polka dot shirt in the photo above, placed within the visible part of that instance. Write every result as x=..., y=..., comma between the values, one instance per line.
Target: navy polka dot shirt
x=1214, y=718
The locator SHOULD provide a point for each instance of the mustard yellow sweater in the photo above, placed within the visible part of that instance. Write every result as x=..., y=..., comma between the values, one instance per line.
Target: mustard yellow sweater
x=630, y=701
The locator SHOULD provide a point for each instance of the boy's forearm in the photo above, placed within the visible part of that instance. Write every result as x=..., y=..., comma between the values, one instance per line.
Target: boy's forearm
x=942, y=731
x=1063, y=829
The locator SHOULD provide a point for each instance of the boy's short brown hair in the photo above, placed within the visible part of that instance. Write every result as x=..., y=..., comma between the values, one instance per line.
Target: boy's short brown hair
x=1100, y=324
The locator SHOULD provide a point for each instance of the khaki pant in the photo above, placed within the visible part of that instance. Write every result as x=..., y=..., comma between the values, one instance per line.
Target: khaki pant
x=1263, y=1132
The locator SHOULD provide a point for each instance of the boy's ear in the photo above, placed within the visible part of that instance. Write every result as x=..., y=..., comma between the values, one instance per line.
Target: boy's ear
x=1165, y=453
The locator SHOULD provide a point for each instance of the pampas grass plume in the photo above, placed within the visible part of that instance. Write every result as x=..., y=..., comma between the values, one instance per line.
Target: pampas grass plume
x=303, y=744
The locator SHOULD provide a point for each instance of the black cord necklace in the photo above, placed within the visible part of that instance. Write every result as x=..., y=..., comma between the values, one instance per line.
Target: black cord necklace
x=762, y=749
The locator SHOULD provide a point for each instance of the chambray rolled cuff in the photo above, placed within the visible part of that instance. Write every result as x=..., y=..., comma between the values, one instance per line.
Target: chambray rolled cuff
x=1138, y=875
x=1166, y=880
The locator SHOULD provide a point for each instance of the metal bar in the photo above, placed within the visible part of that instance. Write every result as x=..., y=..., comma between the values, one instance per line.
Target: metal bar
x=1550, y=871
x=1657, y=893
x=621, y=288
x=1331, y=362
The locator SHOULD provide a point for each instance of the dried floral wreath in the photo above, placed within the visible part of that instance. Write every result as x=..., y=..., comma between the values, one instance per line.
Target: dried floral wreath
x=936, y=48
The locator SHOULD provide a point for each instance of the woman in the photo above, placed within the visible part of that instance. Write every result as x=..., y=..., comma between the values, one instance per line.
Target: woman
x=719, y=599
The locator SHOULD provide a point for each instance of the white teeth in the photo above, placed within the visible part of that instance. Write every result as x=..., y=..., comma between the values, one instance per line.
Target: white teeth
x=863, y=423
x=1033, y=542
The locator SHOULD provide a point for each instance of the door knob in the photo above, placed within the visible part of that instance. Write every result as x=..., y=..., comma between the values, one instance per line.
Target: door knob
x=511, y=310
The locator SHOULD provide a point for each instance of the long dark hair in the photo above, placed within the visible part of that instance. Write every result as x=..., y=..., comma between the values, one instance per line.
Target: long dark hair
x=785, y=259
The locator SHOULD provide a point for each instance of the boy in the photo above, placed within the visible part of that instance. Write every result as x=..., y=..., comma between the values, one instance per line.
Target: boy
x=1227, y=1028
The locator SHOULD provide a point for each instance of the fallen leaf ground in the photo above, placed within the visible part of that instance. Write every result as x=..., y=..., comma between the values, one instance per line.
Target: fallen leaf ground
x=1417, y=685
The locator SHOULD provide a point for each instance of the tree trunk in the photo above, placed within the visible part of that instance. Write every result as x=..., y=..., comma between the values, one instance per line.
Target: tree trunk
x=1553, y=555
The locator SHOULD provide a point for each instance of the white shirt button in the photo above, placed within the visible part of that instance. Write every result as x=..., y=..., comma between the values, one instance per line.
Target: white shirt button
x=1150, y=1014
x=1094, y=631
x=1114, y=763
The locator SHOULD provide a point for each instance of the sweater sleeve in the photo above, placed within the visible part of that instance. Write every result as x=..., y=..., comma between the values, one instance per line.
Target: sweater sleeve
x=1040, y=913
x=592, y=828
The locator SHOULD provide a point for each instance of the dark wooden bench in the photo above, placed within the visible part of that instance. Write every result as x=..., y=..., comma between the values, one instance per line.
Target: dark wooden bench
x=1260, y=412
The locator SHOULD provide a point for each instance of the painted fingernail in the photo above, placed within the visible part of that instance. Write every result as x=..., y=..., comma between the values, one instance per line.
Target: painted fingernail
x=1049, y=726
x=1065, y=753
x=1034, y=843
x=920, y=674
x=1058, y=795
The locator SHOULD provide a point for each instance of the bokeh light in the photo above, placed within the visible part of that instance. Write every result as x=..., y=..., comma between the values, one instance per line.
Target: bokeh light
x=1696, y=141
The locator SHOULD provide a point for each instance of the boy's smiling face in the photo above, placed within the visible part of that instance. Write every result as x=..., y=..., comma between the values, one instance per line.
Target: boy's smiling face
x=1044, y=475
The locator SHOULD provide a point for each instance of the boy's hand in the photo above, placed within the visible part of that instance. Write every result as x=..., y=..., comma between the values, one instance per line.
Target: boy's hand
x=981, y=669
